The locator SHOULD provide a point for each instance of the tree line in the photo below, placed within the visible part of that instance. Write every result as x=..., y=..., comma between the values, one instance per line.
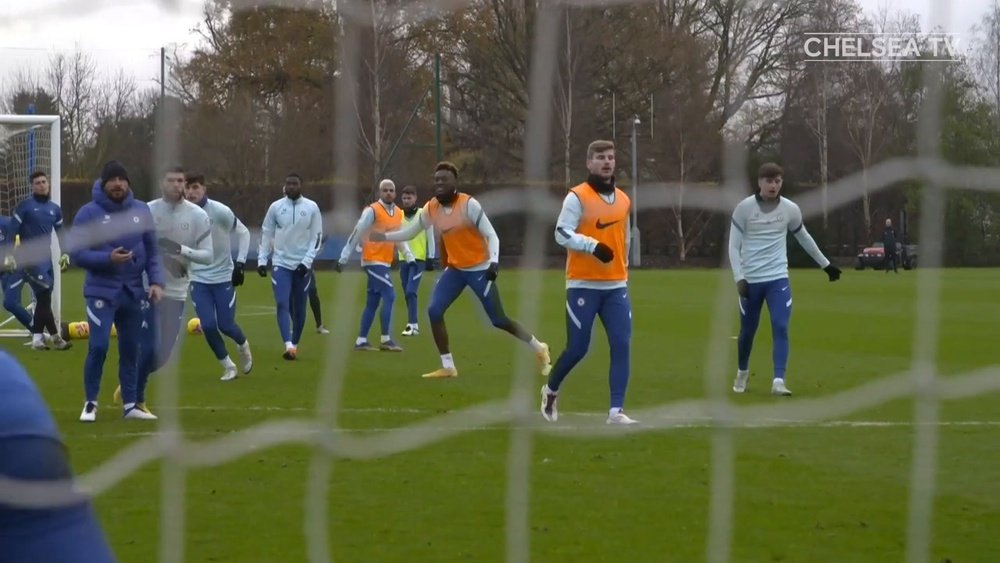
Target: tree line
x=259, y=95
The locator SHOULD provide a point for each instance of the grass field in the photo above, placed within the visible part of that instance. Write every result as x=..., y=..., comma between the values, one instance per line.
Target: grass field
x=804, y=492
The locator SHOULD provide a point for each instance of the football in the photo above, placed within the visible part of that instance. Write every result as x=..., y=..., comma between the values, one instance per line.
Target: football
x=79, y=330
x=194, y=326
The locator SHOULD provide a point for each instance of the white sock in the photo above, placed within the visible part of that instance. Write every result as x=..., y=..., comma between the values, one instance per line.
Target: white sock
x=245, y=346
x=361, y=340
x=386, y=338
x=742, y=372
x=615, y=411
x=37, y=338
x=227, y=363
x=128, y=406
x=447, y=362
x=535, y=344
x=288, y=345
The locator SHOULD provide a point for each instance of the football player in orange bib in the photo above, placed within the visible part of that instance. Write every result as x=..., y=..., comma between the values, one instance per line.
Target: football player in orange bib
x=471, y=260
x=594, y=227
x=376, y=260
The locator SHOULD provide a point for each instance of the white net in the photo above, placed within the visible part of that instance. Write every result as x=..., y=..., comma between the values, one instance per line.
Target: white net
x=24, y=148
x=325, y=428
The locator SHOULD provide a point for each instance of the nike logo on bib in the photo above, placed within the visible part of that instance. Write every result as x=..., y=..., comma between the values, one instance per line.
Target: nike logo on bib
x=601, y=225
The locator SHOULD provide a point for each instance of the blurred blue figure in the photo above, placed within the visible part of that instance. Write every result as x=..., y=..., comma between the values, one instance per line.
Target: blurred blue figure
x=30, y=450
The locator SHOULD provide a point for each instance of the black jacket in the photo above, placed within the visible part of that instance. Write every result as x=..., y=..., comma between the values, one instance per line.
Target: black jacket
x=889, y=240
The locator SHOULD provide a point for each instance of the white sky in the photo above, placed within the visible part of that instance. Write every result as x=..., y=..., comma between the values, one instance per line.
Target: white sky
x=129, y=33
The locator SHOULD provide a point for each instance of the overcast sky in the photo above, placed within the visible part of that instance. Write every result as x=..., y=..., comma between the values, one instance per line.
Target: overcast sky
x=129, y=33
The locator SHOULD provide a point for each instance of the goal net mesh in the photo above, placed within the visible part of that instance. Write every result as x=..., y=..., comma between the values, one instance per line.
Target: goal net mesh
x=23, y=149
x=320, y=429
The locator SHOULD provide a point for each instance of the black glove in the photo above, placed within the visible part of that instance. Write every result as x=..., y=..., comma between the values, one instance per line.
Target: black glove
x=338, y=267
x=174, y=266
x=301, y=270
x=238, y=276
x=603, y=252
x=743, y=288
x=833, y=272
x=429, y=265
x=376, y=236
x=493, y=271
x=168, y=246
x=262, y=270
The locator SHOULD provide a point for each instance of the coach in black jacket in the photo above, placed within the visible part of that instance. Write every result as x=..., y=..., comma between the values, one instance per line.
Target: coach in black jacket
x=889, y=242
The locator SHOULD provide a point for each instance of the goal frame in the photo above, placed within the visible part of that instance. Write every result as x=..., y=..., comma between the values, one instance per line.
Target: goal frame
x=53, y=122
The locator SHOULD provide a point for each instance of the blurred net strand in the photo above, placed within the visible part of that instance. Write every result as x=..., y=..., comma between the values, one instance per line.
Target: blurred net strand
x=664, y=195
x=524, y=379
x=322, y=431
x=927, y=316
x=435, y=429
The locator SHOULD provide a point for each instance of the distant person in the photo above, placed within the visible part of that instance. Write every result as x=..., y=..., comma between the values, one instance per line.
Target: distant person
x=290, y=238
x=376, y=260
x=472, y=260
x=889, y=242
x=114, y=240
x=758, y=255
x=213, y=285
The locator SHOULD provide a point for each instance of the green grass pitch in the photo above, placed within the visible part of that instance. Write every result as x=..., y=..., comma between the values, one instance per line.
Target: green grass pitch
x=809, y=492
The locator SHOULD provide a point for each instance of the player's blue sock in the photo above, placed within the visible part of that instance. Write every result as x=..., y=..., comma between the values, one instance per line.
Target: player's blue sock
x=140, y=385
x=411, y=308
x=300, y=300
x=779, y=354
x=385, y=315
x=744, y=342
x=617, y=316
x=368, y=315
x=93, y=367
x=214, y=339
x=284, y=321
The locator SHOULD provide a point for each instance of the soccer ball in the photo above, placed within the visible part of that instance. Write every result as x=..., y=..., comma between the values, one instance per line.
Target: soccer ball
x=79, y=330
x=194, y=326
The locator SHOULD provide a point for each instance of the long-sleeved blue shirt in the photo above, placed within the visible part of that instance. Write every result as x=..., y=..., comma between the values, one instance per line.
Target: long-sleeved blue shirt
x=34, y=220
x=293, y=230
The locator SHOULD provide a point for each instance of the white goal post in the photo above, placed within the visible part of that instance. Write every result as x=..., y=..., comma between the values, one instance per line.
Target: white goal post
x=29, y=143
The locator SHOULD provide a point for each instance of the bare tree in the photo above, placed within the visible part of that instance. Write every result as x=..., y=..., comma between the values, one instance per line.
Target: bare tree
x=870, y=101
x=986, y=56
x=116, y=97
x=822, y=80
x=71, y=81
x=750, y=40
x=569, y=67
x=23, y=81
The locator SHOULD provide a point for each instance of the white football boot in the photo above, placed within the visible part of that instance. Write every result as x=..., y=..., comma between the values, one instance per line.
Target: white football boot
x=246, y=358
x=89, y=413
x=618, y=416
x=742, y=378
x=550, y=404
x=778, y=388
x=230, y=373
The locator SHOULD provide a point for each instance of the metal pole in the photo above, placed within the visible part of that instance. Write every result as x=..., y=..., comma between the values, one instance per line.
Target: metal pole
x=636, y=251
x=438, y=148
x=614, y=129
x=31, y=146
x=163, y=74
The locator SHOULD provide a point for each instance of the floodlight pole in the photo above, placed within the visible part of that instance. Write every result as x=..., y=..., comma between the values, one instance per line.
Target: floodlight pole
x=636, y=259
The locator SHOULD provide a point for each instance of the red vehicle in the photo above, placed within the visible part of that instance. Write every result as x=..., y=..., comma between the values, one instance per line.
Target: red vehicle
x=874, y=256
